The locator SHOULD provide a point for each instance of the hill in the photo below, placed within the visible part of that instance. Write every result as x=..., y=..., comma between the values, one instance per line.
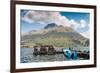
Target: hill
x=58, y=36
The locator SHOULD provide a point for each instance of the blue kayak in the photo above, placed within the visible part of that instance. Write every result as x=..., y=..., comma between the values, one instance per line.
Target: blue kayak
x=70, y=54
x=67, y=53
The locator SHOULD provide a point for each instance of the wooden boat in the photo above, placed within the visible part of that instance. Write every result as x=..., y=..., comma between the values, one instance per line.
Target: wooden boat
x=44, y=49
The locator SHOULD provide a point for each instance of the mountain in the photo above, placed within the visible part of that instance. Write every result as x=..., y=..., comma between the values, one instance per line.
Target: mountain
x=51, y=25
x=59, y=36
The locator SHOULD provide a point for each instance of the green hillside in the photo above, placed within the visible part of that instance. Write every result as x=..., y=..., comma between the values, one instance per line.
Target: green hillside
x=58, y=36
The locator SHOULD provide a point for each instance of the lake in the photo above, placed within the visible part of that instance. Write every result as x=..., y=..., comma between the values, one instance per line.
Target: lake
x=28, y=57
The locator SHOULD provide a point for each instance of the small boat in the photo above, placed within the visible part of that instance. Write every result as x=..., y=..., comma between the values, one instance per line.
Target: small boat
x=70, y=54
x=35, y=50
x=67, y=53
x=43, y=50
x=51, y=50
x=74, y=55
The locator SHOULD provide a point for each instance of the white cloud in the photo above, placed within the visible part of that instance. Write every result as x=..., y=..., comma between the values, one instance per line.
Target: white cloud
x=44, y=17
x=86, y=34
x=37, y=16
x=73, y=24
x=83, y=23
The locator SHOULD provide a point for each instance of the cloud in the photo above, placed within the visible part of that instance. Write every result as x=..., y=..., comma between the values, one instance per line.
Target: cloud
x=86, y=34
x=73, y=24
x=36, y=17
x=44, y=17
x=83, y=23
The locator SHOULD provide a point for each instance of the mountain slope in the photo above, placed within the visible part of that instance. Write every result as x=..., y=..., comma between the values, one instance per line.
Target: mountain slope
x=58, y=36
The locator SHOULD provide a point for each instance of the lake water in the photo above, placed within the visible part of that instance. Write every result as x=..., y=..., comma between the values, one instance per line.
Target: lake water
x=28, y=57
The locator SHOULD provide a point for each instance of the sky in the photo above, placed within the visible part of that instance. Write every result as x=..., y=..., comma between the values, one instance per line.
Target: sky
x=36, y=20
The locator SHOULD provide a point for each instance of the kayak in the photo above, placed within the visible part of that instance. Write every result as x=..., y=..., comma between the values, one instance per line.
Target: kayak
x=67, y=53
x=70, y=54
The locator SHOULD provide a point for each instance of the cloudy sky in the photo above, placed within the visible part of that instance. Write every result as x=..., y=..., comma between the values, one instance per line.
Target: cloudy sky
x=36, y=20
